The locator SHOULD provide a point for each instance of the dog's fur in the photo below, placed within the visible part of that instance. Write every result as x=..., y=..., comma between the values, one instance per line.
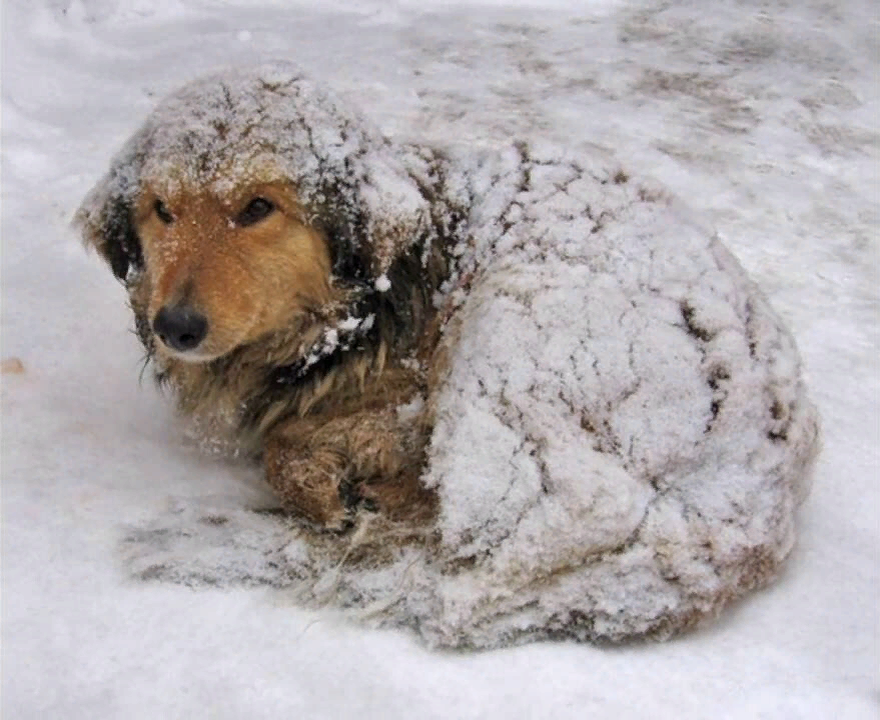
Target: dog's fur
x=316, y=396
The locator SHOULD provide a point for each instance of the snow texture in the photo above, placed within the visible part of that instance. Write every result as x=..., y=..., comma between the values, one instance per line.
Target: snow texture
x=762, y=116
x=623, y=434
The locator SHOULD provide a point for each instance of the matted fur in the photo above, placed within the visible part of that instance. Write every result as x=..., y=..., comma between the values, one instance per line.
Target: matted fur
x=549, y=401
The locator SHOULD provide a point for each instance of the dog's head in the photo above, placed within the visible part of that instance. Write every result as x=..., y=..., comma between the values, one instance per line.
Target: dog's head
x=247, y=200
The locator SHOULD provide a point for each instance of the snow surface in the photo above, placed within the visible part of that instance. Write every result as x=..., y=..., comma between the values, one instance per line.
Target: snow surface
x=763, y=119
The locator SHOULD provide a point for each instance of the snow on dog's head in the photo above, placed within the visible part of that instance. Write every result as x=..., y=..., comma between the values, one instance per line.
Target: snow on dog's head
x=243, y=175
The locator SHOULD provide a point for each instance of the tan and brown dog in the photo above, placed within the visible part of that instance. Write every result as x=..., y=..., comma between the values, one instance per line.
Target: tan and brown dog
x=573, y=412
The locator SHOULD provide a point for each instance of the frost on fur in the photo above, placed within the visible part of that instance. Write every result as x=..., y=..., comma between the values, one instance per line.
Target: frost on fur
x=622, y=435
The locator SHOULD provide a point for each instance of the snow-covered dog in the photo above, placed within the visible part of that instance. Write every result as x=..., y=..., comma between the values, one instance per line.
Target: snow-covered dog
x=570, y=389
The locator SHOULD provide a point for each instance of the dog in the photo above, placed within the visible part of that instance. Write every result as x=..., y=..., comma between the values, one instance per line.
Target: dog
x=553, y=401
x=282, y=265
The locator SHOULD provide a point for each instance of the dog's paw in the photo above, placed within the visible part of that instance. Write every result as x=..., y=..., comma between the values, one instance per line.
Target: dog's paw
x=206, y=545
x=401, y=498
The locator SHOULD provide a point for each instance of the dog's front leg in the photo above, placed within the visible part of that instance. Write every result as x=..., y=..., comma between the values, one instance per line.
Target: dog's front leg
x=323, y=469
x=310, y=475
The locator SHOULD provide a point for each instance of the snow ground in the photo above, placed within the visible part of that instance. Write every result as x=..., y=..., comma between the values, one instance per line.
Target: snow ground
x=765, y=119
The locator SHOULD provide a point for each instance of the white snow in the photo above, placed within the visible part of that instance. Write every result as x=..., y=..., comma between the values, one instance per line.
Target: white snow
x=763, y=119
x=383, y=284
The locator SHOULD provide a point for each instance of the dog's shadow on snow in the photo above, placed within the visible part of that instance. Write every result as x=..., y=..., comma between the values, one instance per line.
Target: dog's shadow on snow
x=213, y=542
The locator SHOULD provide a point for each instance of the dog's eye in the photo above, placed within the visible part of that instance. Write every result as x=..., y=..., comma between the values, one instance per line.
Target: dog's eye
x=256, y=210
x=163, y=213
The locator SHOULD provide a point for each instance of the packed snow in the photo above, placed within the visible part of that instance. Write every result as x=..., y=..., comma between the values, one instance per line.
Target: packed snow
x=763, y=121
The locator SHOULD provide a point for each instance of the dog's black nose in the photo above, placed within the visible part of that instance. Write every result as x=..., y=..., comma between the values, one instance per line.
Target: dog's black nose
x=180, y=327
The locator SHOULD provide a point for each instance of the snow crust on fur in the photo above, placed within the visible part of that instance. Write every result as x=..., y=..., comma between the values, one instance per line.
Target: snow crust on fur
x=623, y=434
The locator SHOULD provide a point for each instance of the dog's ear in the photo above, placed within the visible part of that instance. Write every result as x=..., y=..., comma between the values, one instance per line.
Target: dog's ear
x=109, y=229
x=373, y=212
x=105, y=218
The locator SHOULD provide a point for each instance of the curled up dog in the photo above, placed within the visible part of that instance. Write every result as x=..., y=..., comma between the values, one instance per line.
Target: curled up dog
x=552, y=401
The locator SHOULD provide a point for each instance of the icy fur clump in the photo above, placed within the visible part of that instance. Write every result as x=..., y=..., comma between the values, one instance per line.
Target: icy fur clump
x=622, y=435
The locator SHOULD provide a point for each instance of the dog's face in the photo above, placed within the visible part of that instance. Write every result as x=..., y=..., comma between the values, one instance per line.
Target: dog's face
x=223, y=269
x=226, y=213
